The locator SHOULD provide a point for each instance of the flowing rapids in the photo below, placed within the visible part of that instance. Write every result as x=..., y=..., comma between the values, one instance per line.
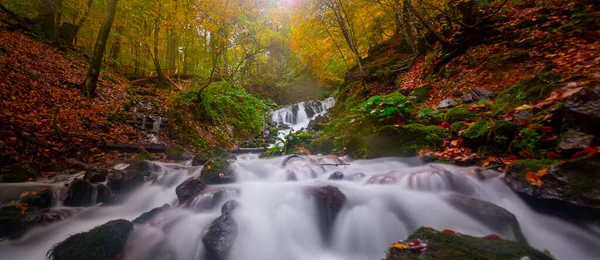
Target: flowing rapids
x=386, y=200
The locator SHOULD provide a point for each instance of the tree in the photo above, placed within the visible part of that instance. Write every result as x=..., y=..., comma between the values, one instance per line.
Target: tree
x=91, y=80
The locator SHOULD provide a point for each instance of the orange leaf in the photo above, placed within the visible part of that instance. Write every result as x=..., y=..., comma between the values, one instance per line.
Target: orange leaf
x=542, y=172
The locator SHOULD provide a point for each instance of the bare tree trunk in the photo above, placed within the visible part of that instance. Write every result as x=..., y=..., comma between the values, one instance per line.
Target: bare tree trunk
x=446, y=46
x=162, y=80
x=91, y=80
x=172, y=49
x=47, y=18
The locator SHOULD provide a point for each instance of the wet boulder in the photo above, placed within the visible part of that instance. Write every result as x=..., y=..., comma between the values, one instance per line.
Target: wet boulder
x=96, y=174
x=42, y=199
x=189, y=189
x=478, y=94
x=102, y=242
x=229, y=206
x=221, y=235
x=79, y=194
x=148, y=216
x=329, y=201
x=104, y=193
x=217, y=171
x=500, y=220
x=336, y=176
x=426, y=243
x=15, y=220
x=17, y=172
x=123, y=182
x=143, y=166
x=575, y=182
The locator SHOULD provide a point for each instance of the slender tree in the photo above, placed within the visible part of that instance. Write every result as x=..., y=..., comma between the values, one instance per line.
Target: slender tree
x=91, y=80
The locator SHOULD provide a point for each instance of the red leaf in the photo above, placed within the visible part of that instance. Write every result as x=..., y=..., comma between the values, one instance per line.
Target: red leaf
x=552, y=155
x=492, y=237
x=448, y=231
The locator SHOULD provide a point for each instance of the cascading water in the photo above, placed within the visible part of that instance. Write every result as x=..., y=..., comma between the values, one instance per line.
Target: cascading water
x=386, y=200
x=298, y=116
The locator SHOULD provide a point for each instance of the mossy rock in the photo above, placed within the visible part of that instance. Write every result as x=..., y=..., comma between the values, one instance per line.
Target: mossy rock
x=145, y=155
x=448, y=245
x=321, y=145
x=457, y=126
x=17, y=172
x=217, y=170
x=526, y=91
x=148, y=216
x=404, y=141
x=479, y=131
x=504, y=132
x=576, y=181
x=79, y=194
x=103, y=242
x=175, y=152
x=211, y=152
x=459, y=114
x=14, y=222
x=421, y=94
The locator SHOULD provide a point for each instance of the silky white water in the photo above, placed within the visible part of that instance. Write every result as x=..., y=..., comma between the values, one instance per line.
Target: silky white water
x=277, y=220
x=295, y=117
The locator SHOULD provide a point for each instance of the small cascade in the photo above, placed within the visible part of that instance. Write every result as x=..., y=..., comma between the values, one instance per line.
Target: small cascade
x=298, y=116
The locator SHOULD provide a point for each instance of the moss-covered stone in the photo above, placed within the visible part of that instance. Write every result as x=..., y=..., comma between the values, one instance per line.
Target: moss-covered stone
x=421, y=93
x=79, y=194
x=17, y=172
x=217, y=170
x=448, y=245
x=102, y=242
x=504, y=132
x=478, y=131
x=175, y=152
x=526, y=91
x=576, y=181
x=145, y=155
x=457, y=126
x=404, y=141
x=459, y=114
x=148, y=216
x=15, y=220
x=211, y=152
x=321, y=145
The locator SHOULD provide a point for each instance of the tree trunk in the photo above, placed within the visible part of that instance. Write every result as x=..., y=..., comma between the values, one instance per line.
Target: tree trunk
x=172, y=48
x=91, y=80
x=446, y=46
x=162, y=80
x=47, y=18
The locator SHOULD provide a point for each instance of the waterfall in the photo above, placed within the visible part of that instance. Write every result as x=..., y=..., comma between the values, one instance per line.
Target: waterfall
x=298, y=116
x=386, y=200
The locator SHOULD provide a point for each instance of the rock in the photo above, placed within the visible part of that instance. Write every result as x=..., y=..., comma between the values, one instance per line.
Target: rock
x=175, y=152
x=576, y=181
x=96, y=174
x=104, y=193
x=102, y=242
x=405, y=140
x=14, y=222
x=357, y=176
x=17, y=172
x=143, y=166
x=477, y=94
x=459, y=114
x=336, y=176
x=450, y=245
x=43, y=199
x=123, y=182
x=79, y=194
x=148, y=216
x=229, y=207
x=583, y=108
x=220, y=237
x=447, y=103
x=329, y=201
x=574, y=141
x=199, y=159
x=500, y=220
x=212, y=152
x=421, y=94
x=189, y=189
x=216, y=171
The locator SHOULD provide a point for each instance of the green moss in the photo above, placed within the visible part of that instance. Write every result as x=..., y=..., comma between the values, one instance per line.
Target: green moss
x=442, y=245
x=421, y=94
x=583, y=175
x=504, y=132
x=175, y=152
x=459, y=114
x=479, y=130
x=321, y=145
x=102, y=242
x=405, y=140
x=145, y=155
x=457, y=126
x=526, y=91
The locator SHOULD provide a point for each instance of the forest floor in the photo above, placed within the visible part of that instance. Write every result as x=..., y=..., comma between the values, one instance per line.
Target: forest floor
x=45, y=119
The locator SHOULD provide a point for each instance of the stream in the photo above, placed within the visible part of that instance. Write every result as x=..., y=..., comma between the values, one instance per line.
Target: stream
x=386, y=200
